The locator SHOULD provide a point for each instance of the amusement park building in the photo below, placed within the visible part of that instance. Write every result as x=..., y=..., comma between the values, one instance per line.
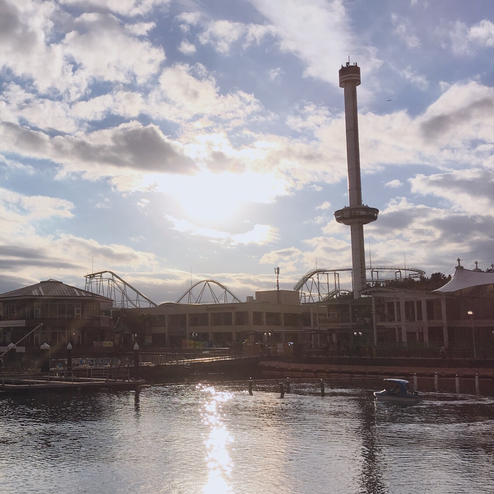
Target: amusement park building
x=459, y=317
x=271, y=318
x=61, y=312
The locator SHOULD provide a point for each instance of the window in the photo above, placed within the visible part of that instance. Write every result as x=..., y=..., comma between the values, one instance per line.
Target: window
x=241, y=318
x=222, y=319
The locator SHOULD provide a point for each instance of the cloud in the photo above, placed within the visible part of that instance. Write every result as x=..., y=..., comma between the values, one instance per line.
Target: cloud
x=28, y=254
x=429, y=238
x=463, y=39
x=41, y=42
x=418, y=80
x=259, y=234
x=462, y=112
x=187, y=92
x=129, y=146
x=24, y=48
x=187, y=48
x=104, y=48
x=324, y=206
x=395, y=183
x=469, y=191
x=17, y=208
x=404, y=31
x=275, y=74
x=307, y=29
x=222, y=34
x=129, y=8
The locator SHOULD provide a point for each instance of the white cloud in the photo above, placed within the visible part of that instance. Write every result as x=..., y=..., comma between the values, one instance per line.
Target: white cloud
x=418, y=80
x=469, y=191
x=308, y=29
x=404, y=31
x=104, y=48
x=429, y=238
x=101, y=153
x=187, y=92
x=41, y=42
x=187, y=48
x=259, y=234
x=393, y=184
x=130, y=8
x=275, y=74
x=324, y=206
x=463, y=39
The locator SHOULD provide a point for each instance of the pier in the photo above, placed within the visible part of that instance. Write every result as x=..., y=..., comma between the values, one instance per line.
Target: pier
x=19, y=384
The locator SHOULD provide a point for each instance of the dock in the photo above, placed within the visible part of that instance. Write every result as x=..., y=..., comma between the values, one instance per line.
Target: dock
x=19, y=384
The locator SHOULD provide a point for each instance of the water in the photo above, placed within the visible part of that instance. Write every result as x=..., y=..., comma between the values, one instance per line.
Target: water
x=216, y=439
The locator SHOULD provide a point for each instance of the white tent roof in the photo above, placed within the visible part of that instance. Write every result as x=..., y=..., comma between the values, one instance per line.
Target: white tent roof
x=465, y=278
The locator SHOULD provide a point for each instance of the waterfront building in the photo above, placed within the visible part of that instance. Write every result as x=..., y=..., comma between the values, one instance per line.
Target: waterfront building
x=67, y=313
x=272, y=320
x=385, y=321
x=457, y=317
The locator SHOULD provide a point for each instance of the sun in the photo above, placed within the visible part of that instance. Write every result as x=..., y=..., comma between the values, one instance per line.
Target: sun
x=209, y=199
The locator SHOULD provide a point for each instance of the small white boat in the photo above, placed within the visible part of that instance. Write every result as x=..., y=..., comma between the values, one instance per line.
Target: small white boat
x=396, y=390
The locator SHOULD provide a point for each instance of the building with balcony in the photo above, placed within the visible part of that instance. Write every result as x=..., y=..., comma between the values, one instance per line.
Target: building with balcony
x=67, y=313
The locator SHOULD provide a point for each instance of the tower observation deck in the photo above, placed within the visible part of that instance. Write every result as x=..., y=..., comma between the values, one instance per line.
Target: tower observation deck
x=356, y=215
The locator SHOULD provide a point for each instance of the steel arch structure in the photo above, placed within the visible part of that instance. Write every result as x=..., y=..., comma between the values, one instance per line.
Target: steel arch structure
x=123, y=294
x=319, y=285
x=198, y=292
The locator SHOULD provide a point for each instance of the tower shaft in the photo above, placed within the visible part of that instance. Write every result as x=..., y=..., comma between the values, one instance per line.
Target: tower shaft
x=357, y=214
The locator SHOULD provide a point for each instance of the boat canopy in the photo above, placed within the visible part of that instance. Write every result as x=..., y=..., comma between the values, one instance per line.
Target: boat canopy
x=398, y=381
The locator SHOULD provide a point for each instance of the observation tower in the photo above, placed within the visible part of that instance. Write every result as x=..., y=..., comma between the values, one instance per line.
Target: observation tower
x=357, y=214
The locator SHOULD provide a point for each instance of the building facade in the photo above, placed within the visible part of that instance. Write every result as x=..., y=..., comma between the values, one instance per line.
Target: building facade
x=67, y=314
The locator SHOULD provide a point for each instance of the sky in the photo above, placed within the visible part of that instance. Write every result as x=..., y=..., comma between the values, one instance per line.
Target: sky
x=173, y=141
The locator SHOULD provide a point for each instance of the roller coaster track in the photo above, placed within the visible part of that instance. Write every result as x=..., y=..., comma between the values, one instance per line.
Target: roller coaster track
x=319, y=285
x=199, y=291
x=110, y=285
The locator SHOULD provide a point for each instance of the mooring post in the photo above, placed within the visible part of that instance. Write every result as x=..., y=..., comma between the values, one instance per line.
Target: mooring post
x=250, y=386
x=287, y=387
x=457, y=384
x=415, y=384
x=282, y=390
x=436, y=382
x=321, y=385
x=477, y=384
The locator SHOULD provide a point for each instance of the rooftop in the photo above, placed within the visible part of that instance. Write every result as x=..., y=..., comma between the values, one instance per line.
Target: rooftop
x=50, y=288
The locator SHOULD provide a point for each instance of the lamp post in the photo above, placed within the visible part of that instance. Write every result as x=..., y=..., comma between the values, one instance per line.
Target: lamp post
x=357, y=335
x=471, y=316
x=267, y=341
x=69, y=356
x=135, y=349
x=45, y=348
x=11, y=353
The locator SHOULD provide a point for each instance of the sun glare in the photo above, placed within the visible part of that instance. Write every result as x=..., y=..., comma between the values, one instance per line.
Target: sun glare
x=208, y=198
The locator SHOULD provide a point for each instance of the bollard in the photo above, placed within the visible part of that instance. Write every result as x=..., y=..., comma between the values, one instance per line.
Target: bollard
x=457, y=384
x=282, y=390
x=436, y=382
x=415, y=385
x=250, y=385
x=287, y=385
x=477, y=384
x=321, y=385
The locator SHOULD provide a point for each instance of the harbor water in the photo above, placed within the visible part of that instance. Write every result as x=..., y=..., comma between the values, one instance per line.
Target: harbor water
x=216, y=439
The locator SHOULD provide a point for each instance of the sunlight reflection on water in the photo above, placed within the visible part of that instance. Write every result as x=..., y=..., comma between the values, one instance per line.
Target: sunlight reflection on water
x=188, y=439
x=218, y=459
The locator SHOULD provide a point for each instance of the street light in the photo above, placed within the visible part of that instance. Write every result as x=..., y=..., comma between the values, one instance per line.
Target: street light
x=45, y=348
x=472, y=322
x=69, y=356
